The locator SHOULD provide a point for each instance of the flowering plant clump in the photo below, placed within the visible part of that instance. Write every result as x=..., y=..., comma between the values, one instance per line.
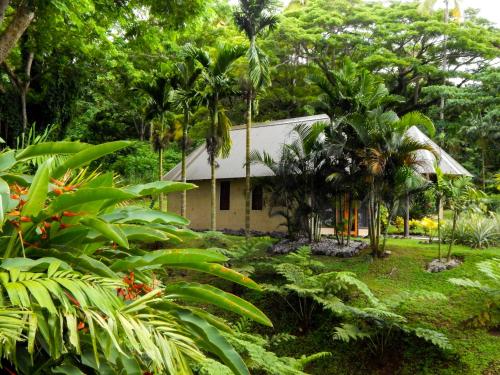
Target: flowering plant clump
x=429, y=226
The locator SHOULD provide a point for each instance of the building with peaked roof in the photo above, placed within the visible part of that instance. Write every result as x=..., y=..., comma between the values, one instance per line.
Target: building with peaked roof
x=269, y=137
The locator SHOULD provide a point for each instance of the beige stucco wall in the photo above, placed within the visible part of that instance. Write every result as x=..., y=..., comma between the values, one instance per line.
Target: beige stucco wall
x=198, y=209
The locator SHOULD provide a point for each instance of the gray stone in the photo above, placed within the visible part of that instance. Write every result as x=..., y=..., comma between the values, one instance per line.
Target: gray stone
x=438, y=265
x=327, y=246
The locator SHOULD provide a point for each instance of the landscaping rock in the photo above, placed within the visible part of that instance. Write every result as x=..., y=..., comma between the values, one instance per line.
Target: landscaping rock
x=327, y=246
x=438, y=265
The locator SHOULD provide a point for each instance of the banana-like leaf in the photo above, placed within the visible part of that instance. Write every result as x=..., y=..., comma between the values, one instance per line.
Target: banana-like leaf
x=7, y=160
x=67, y=201
x=136, y=214
x=81, y=263
x=168, y=258
x=38, y=190
x=213, y=341
x=138, y=233
x=88, y=155
x=27, y=264
x=4, y=198
x=20, y=179
x=51, y=148
x=220, y=271
x=158, y=187
x=209, y=294
x=110, y=231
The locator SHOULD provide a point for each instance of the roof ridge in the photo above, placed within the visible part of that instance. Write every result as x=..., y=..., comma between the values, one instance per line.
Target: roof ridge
x=283, y=121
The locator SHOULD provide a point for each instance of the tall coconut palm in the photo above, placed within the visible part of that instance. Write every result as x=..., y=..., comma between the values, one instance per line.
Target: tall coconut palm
x=253, y=18
x=426, y=7
x=218, y=84
x=188, y=72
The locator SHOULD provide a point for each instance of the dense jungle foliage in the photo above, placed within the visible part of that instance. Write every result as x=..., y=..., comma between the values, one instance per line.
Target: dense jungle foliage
x=88, y=69
x=99, y=98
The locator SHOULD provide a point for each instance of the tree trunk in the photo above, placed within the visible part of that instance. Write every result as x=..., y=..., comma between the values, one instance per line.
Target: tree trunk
x=483, y=169
x=349, y=219
x=160, y=176
x=24, y=113
x=386, y=229
x=213, y=185
x=445, y=59
x=247, y=164
x=439, y=229
x=184, y=147
x=453, y=228
x=407, y=216
x=16, y=28
x=3, y=7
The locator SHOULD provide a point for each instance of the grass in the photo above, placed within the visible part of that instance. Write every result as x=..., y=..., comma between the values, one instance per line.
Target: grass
x=475, y=350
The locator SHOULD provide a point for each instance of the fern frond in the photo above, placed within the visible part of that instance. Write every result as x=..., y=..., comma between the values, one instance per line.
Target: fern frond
x=347, y=332
x=434, y=337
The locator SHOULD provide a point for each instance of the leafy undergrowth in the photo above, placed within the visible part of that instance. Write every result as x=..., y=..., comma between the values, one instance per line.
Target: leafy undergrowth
x=475, y=350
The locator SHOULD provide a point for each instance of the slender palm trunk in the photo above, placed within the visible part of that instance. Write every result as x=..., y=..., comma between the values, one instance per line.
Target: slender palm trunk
x=213, y=201
x=453, y=228
x=183, y=161
x=407, y=216
x=160, y=176
x=439, y=229
x=349, y=219
x=213, y=181
x=483, y=169
x=386, y=229
x=247, y=164
x=445, y=59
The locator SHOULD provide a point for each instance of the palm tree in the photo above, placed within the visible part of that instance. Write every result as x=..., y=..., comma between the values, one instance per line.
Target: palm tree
x=298, y=187
x=163, y=127
x=387, y=155
x=217, y=85
x=426, y=7
x=186, y=98
x=254, y=17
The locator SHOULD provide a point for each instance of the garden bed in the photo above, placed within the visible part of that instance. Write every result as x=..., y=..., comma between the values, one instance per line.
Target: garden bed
x=327, y=246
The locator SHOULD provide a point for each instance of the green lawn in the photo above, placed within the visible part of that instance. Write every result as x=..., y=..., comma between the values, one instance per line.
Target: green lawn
x=475, y=350
x=405, y=270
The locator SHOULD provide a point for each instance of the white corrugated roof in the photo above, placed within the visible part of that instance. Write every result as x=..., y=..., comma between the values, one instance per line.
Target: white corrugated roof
x=270, y=136
x=267, y=136
x=446, y=163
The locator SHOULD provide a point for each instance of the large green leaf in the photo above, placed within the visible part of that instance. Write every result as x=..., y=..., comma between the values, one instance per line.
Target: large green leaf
x=27, y=264
x=110, y=231
x=220, y=271
x=142, y=233
x=7, y=160
x=38, y=190
x=168, y=257
x=89, y=154
x=213, y=341
x=137, y=214
x=209, y=294
x=158, y=187
x=67, y=201
x=4, y=198
x=51, y=148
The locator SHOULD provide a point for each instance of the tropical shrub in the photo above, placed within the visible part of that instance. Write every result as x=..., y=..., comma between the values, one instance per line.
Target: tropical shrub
x=475, y=230
x=399, y=223
x=490, y=287
x=429, y=226
x=307, y=289
x=77, y=292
